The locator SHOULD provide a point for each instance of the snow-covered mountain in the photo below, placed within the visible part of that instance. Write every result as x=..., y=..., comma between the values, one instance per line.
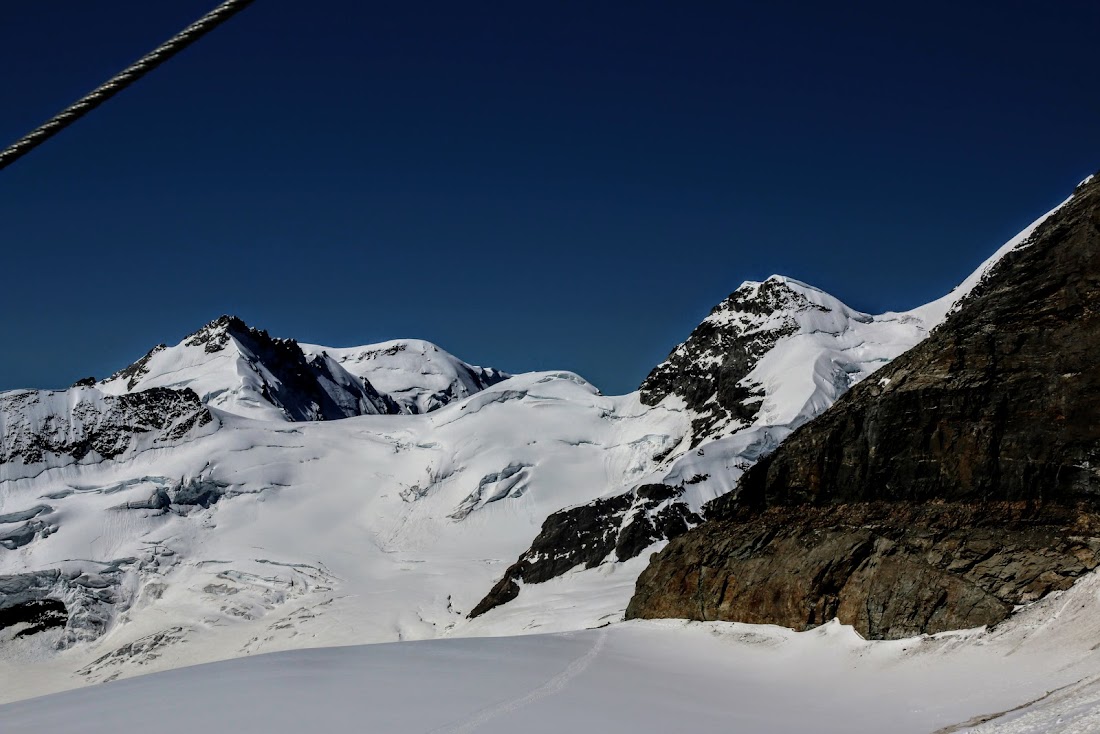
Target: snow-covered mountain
x=770, y=357
x=205, y=502
x=245, y=371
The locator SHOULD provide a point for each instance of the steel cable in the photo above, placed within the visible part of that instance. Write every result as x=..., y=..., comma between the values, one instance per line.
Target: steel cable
x=120, y=81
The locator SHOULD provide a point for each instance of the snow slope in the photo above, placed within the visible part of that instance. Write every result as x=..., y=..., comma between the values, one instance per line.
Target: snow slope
x=43, y=429
x=273, y=526
x=630, y=677
x=273, y=535
x=418, y=375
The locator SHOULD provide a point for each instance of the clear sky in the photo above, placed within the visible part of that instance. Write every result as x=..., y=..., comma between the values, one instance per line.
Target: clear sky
x=564, y=185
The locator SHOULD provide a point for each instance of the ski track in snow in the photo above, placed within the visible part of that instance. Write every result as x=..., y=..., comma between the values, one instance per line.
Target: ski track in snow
x=547, y=689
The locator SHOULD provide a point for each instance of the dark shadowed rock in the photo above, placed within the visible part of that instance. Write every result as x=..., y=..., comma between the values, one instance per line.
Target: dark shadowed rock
x=586, y=535
x=889, y=569
x=708, y=370
x=36, y=615
x=959, y=481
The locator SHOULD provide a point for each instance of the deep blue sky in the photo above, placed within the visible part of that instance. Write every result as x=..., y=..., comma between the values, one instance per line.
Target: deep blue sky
x=531, y=185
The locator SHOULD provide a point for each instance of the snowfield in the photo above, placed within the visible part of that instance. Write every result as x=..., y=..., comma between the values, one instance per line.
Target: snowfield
x=629, y=677
x=372, y=528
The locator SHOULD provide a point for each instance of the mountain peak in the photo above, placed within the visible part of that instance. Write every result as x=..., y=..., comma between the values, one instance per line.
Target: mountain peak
x=243, y=370
x=711, y=370
x=214, y=336
x=779, y=294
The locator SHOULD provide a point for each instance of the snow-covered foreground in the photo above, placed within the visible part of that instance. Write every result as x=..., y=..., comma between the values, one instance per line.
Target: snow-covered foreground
x=633, y=677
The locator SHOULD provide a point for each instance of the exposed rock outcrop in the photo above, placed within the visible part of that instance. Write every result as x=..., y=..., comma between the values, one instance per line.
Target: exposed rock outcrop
x=709, y=370
x=890, y=569
x=132, y=374
x=41, y=428
x=959, y=481
x=621, y=527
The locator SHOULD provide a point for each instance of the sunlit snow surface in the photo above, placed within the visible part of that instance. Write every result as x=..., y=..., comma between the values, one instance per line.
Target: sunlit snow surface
x=630, y=677
x=373, y=528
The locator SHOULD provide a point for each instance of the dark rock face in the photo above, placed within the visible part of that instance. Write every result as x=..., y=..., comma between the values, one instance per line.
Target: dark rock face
x=654, y=515
x=958, y=481
x=889, y=569
x=587, y=535
x=708, y=369
x=36, y=429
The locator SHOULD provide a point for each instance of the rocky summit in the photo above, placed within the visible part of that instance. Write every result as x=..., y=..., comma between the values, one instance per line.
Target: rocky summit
x=959, y=481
